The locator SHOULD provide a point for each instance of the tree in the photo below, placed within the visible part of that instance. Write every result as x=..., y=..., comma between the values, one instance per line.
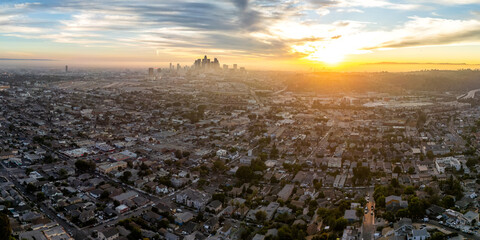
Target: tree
x=409, y=190
x=438, y=236
x=411, y=170
x=388, y=216
x=31, y=188
x=135, y=234
x=261, y=216
x=361, y=174
x=340, y=224
x=126, y=176
x=397, y=169
x=244, y=173
x=258, y=165
x=85, y=166
x=218, y=166
x=219, y=196
x=274, y=152
x=452, y=187
x=402, y=213
x=5, y=228
x=448, y=202
x=63, y=173
x=105, y=194
x=430, y=155
x=359, y=212
x=41, y=196
x=178, y=154
x=416, y=207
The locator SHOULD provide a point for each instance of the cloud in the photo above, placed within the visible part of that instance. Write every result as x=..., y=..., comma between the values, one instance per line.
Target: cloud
x=263, y=28
x=241, y=4
x=416, y=63
x=350, y=10
x=433, y=31
x=448, y=2
x=364, y=4
x=25, y=59
x=358, y=38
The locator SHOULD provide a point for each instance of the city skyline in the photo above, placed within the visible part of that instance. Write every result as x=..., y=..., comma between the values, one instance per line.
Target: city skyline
x=371, y=35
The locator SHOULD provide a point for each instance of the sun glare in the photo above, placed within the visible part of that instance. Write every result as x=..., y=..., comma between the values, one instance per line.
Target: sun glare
x=329, y=56
x=326, y=54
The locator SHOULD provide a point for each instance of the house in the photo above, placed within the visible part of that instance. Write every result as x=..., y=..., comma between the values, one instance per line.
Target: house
x=182, y=218
x=442, y=163
x=108, y=234
x=402, y=228
x=351, y=215
x=211, y=224
x=96, y=193
x=161, y=189
x=122, y=198
x=270, y=209
x=188, y=228
x=286, y=191
x=258, y=237
x=109, y=167
x=435, y=210
x=192, y=198
x=194, y=236
x=226, y=229
x=418, y=234
x=214, y=206
x=393, y=202
x=350, y=233
x=51, y=191
x=86, y=216
x=221, y=153
x=464, y=202
x=151, y=217
x=171, y=236
x=122, y=208
x=471, y=217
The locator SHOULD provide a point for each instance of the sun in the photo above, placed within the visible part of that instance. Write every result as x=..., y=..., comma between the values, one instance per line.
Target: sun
x=328, y=54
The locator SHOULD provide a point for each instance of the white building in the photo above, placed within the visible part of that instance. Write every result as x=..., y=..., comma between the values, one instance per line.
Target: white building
x=221, y=153
x=442, y=163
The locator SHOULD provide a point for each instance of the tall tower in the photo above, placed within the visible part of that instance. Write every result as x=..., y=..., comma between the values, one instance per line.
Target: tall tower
x=150, y=73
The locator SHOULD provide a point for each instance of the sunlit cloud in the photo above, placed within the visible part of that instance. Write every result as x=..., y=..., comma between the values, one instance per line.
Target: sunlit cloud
x=328, y=31
x=417, y=32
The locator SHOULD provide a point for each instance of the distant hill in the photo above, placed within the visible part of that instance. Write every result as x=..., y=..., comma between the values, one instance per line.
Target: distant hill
x=436, y=81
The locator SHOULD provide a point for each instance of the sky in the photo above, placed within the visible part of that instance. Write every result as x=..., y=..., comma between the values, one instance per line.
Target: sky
x=344, y=35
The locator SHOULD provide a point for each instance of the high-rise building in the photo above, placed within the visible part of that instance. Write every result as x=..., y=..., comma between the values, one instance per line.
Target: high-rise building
x=159, y=70
x=225, y=67
x=66, y=68
x=197, y=64
x=206, y=64
x=216, y=63
x=178, y=67
x=150, y=73
x=234, y=66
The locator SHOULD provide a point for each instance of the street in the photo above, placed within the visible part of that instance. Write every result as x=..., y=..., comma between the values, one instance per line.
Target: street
x=368, y=226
